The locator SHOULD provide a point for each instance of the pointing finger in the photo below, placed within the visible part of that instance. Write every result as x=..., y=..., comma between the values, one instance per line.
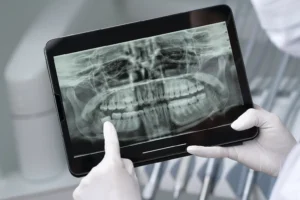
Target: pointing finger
x=111, y=142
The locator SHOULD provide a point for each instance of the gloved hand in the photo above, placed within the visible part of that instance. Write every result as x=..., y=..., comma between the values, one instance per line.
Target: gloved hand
x=114, y=178
x=266, y=153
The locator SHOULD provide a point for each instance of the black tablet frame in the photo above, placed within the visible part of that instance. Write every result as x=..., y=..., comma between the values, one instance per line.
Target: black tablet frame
x=145, y=153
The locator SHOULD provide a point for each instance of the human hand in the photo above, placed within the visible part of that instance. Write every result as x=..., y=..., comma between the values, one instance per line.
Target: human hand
x=266, y=153
x=113, y=178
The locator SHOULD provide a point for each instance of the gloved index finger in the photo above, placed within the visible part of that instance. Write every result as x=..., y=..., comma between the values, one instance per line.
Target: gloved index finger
x=111, y=141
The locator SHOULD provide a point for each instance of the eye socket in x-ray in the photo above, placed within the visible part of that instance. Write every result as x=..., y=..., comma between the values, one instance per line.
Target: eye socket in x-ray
x=149, y=88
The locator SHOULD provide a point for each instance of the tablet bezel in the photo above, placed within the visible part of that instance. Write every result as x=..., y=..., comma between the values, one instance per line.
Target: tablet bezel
x=169, y=147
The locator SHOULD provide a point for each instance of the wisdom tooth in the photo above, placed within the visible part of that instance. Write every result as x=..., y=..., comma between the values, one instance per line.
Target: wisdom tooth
x=200, y=87
x=192, y=89
x=104, y=119
x=212, y=81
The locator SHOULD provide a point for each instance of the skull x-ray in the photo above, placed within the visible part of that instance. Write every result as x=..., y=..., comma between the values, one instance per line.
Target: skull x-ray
x=149, y=88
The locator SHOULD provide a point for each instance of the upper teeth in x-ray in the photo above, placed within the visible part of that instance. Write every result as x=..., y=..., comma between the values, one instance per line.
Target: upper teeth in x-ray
x=150, y=87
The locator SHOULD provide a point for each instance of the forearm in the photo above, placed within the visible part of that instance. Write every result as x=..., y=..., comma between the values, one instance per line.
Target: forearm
x=281, y=21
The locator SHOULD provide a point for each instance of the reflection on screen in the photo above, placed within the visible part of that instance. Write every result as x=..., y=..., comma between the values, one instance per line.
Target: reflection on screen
x=149, y=88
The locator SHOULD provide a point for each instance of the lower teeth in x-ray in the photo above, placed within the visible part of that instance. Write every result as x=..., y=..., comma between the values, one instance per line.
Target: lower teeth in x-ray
x=149, y=88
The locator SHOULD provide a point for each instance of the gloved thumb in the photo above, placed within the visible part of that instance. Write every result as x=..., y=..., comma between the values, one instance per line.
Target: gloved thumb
x=251, y=118
x=208, y=152
x=111, y=142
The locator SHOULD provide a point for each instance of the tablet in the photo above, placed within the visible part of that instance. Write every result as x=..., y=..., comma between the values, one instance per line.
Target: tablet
x=164, y=83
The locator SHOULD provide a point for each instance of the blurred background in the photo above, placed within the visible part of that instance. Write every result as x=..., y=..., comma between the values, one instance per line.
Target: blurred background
x=273, y=90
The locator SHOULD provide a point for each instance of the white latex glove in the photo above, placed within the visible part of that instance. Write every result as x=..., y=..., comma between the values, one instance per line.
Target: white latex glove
x=266, y=153
x=113, y=178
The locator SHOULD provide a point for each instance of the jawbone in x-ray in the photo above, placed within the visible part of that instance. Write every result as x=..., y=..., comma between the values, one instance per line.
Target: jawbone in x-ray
x=149, y=88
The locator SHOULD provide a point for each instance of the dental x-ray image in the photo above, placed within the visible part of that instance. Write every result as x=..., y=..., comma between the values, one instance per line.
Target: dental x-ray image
x=148, y=88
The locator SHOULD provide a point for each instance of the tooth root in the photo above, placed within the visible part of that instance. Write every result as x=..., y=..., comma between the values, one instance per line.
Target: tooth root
x=150, y=97
x=136, y=123
x=214, y=101
x=155, y=116
x=191, y=109
x=161, y=92
x=166, y=114
x=152, y=116
x=139, y=97
x=160, y=114
x=119, y=126
x=162, y=117
x=124, y=124
x=183, y=87
x=147, y=126
x=112, y=103
x=97, y=128
x=155, y=89
x=167, y=94
x=150, y=93
x=150, y=128
x=120, y=104
x=132, y=124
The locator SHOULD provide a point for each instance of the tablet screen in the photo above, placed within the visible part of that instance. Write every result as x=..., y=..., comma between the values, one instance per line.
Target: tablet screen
x=150, y=88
